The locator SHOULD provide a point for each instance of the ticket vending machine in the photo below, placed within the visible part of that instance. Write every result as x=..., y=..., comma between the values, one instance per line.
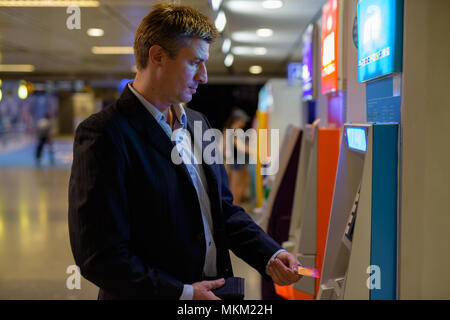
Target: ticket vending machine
x=361, y=249
x=312, y=203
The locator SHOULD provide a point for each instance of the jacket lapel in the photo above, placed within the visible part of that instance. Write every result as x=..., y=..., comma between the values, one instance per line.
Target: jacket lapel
x=141, y=119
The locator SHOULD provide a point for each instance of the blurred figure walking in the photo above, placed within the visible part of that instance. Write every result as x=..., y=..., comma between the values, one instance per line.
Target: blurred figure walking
x=44, y=128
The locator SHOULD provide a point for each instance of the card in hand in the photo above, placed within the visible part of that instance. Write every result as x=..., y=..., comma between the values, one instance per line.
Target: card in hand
x=309, y=272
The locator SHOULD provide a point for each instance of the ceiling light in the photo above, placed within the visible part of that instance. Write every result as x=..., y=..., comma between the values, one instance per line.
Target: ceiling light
x=226, y=45
x=16, y=68
x=215, y=4
x=242, y=6
x=260, y=51
x=112, y=50
x=0, y=94
x=255, y=69
x=249, y=51
x=95, y=32
x=272, y=4
x=49, y=3
x=264, y=32
x=244, y=36
x=220, y=21
x=229, y=59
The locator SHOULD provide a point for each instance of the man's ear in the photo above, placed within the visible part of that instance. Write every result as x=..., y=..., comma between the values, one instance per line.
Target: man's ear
x=156, y=54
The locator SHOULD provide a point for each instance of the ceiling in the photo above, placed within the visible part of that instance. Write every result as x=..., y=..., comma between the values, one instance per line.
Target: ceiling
x=39, y=36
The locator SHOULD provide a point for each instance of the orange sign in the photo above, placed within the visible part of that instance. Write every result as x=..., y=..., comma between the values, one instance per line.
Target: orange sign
x=329, y=48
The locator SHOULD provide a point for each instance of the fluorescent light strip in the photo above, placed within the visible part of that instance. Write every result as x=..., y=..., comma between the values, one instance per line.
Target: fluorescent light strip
x=16, y=68
x=249, y=51
x=272, y=4
x=112, y=50
x=49, y=3
x=264, y=32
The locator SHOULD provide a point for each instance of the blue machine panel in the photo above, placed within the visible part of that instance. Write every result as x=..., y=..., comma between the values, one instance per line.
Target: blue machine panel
x=384, y=209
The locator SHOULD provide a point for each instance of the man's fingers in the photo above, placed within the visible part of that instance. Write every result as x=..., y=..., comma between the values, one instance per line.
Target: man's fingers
x=277, y=276
x=216, y=283
x=285, y=274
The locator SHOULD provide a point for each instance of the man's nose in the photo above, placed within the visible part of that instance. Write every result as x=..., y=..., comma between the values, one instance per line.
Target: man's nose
x=201, y=75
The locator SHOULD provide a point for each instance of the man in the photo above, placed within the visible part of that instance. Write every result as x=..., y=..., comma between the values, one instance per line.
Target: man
x=44, y=128
x=141, y=226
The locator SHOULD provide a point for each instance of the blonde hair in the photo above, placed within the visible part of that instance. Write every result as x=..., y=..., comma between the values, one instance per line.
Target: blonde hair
x=170, y=26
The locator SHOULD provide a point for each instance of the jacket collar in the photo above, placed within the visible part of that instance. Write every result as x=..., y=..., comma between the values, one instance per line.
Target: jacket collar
x=141, y=119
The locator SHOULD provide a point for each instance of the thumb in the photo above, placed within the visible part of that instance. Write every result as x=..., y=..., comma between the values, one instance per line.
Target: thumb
x=216, y=283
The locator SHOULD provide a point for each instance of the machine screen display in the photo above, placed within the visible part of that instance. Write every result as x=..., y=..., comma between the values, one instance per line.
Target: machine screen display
x=380, y=34
x=356, y=139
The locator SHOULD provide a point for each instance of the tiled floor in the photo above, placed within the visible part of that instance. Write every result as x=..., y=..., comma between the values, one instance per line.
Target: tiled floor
x=34, y=244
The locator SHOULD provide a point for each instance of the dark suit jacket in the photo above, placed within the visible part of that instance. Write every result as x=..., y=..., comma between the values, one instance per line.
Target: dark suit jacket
x=135, y=223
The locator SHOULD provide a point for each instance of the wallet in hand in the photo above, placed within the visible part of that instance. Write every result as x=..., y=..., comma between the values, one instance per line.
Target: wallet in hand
x=233, y=289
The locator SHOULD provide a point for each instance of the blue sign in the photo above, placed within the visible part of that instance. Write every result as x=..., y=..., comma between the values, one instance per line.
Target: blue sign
x=294, y=73
x=380, y=38
x=308, y=63
x=356, y=139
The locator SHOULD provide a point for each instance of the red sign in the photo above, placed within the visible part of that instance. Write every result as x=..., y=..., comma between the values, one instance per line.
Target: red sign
x=329, y=48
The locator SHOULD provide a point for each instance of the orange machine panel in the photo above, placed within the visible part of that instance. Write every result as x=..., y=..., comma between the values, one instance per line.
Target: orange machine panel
x=328, y=156
x=328, y=148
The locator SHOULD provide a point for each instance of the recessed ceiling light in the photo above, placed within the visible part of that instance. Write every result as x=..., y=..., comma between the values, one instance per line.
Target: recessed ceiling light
x=272, y=4
x=95, y=32
x=255, y=69
x=16, y=68
x=49, y=3
x=220, y=21
x=229, y=59
x=112, y=50
x=22, y=92
x=264, y=32
x=226, y=45
x=215, y=4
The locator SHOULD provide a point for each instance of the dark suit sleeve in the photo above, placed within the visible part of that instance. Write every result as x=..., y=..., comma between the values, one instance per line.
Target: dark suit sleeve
x=99, y=221
x=245, y=238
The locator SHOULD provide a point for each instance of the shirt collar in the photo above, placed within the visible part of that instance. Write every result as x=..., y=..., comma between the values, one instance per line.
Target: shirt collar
x=178, y=109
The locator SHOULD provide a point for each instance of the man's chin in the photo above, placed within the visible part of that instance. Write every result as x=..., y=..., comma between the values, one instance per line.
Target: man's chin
x=187, y=98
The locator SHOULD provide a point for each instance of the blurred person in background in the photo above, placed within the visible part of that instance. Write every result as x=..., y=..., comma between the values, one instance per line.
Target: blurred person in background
x=238, y=174
x=44, y=132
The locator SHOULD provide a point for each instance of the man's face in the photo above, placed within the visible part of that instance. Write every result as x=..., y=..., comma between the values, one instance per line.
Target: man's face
x=181, y=76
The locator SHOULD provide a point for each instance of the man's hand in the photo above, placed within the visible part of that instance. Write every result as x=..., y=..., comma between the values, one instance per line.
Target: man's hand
x=202, y=290
x=283, y=269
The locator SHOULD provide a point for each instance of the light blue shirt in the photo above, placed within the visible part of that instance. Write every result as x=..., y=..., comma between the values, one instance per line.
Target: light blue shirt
x=198, y=179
